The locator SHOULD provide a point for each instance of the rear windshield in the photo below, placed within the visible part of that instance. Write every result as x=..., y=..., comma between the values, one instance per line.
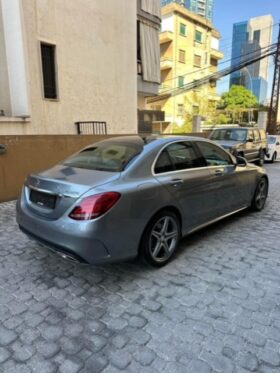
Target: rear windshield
x=271, y=139
x=235, y=134
x=107, y=156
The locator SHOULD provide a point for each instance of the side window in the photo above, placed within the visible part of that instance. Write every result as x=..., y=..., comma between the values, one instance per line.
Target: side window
x=256, y=135
x=250, y=135
x=176, y=157
x=213, y=155
x=183, y=156
x=163, y=163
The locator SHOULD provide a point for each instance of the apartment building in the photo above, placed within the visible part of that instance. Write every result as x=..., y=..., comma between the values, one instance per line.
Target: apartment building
x=249, y=40
x=76, y=61
x=189, y=51
x=204, y=8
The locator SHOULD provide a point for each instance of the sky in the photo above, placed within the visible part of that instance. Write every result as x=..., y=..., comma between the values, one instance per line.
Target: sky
x=227, y=12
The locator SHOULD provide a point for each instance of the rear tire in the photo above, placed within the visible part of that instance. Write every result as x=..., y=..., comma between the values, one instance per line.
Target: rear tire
x=260, y=195
x=160, y=239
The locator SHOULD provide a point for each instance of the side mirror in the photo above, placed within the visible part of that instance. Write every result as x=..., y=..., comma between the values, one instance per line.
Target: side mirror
x=278, y=143
x=240, y=161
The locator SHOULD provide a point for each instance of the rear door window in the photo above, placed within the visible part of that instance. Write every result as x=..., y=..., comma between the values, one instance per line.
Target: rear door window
x=178, y=156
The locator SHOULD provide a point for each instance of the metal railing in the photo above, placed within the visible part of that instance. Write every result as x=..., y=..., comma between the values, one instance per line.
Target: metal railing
x=91, y=128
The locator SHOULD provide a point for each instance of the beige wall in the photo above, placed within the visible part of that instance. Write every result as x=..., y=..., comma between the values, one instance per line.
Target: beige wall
x=96, y=65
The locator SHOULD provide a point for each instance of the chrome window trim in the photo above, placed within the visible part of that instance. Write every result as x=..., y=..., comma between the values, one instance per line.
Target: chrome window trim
x=187, y=169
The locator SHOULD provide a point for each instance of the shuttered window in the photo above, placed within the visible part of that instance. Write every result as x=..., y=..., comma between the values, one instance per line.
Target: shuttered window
x=48, y=69
x=197, y=60
x=182, y=56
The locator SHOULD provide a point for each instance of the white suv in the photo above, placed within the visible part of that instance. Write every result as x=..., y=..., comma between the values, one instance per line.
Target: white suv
x=273, y=152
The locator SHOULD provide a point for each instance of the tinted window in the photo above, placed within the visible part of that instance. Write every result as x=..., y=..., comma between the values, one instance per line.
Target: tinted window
x=163, y=163
x=231, y=134
x=213, y=155
x=108, y=156
x=256, y=135
x=177, y=156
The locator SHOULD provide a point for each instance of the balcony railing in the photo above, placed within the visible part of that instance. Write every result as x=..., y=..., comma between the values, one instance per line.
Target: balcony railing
x=166, y=63
x=91, y=128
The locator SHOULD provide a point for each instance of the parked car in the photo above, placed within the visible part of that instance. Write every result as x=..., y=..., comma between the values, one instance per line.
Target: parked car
x=130, y=196
x=250, y=143
x=273, y=152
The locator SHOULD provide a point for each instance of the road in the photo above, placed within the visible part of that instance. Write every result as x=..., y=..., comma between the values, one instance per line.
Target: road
x=215, y=308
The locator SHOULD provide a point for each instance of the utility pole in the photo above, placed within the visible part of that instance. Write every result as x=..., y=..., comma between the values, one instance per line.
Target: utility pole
x=274, y=103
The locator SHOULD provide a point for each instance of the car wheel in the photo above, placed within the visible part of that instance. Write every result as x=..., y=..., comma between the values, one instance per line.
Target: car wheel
x=260, y=195
x=260, y=162
x=273, y=159
x=160, y=239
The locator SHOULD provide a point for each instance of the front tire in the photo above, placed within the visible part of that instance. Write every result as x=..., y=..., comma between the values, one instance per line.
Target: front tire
x=161, y=238
x=260, y=195
x=273, y=159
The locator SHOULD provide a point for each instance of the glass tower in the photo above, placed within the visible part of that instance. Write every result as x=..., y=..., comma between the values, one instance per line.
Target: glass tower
x=249, y=40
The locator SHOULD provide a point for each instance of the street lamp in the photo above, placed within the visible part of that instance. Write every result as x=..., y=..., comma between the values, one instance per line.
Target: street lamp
x=251, y=90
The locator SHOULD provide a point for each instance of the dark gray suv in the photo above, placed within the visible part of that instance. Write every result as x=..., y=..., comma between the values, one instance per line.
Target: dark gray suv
x=250, y=143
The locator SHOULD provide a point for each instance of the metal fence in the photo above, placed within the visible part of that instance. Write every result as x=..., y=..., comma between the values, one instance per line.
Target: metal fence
x=91, y=128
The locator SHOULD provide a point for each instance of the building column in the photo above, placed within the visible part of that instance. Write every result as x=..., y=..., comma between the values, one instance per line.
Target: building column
x=13, y=28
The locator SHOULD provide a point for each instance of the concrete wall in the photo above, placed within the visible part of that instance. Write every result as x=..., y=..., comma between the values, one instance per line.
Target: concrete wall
x=27, y=154
x=96, y=65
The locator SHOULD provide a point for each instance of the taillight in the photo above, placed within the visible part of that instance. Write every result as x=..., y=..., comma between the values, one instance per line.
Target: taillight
x=95, y=206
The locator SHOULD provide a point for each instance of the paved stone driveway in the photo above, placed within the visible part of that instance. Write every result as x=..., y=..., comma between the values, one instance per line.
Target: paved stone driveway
x=215, y=308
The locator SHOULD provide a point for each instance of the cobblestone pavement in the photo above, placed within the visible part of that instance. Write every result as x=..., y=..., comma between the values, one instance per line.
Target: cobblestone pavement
x=215, y=308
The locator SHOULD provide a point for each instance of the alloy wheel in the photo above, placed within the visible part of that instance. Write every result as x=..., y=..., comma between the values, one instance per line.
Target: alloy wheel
x=261, y=194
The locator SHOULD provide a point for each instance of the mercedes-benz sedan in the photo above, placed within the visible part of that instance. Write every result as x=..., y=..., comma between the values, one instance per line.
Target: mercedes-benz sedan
x=130, y=196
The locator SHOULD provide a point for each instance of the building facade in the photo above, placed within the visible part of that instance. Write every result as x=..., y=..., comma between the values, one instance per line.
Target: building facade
x=204, y=8
x=59, y=64
x=250, y=38
x=189, y=51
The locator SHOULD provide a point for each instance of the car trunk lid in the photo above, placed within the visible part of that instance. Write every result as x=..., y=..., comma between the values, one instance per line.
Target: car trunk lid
x=51, y=193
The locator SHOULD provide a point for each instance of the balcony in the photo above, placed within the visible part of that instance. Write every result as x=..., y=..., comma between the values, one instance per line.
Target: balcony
x=166, y=63
x=166, y=37
x=216, y=54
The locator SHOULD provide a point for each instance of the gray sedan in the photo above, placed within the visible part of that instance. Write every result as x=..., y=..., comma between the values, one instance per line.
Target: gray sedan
x=130, y=196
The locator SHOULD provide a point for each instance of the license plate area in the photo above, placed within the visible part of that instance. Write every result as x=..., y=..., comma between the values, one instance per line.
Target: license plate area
x=43, y=199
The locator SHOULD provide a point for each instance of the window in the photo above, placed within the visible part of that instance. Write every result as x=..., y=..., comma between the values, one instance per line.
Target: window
x=49, y=71
x=180, y=109
x=197, y=60
x=250, y=135
x=213, y=155
x=176, y=157
x=182, y=56
x=256, y=135
x=181, y=81
x=163, y=163
x=213, y=62
x=198, y=36
x=107, y=156
x=183, y=29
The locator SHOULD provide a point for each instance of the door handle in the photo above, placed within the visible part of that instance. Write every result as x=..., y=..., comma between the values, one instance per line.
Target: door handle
x=218, y=172
x=176, y=182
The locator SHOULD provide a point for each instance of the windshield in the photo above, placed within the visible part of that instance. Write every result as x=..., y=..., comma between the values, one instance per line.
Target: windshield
x=107, y=156
x=271, y=139
x=229, y=134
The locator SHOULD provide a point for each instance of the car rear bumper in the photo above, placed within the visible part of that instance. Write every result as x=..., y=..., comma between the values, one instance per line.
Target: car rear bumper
x=69, y=241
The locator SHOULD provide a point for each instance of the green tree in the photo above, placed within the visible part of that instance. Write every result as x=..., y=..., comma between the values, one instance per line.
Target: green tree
x=237, y=100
